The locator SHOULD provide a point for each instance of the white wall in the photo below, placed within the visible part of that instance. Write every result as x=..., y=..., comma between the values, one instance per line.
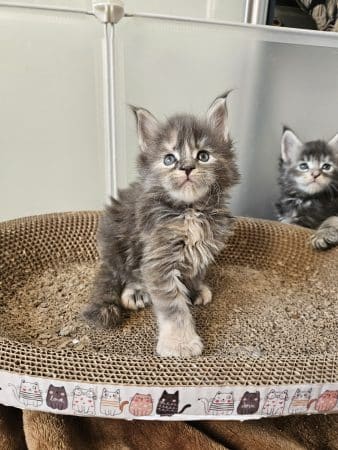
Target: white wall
x=51, y=112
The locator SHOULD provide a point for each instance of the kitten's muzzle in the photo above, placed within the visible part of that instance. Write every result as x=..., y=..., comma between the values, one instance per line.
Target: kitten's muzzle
x=187, y=169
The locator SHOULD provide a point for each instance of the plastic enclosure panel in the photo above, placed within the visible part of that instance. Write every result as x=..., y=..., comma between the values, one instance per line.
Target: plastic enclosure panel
x=52, y=138
x=230, y=10
x=78, y=5
x=278, y=76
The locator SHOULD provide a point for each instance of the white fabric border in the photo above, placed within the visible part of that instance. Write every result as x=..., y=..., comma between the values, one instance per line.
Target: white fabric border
x=88, y=399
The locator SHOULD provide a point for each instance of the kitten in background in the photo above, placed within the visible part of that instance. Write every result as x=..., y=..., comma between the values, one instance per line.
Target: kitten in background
x=308, y=178
x=157, y=241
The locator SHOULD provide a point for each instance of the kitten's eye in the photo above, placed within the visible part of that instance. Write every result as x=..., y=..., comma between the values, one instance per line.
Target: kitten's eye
x=169, y=159
x=203, y=156
x=326, y=166
x=303, y=166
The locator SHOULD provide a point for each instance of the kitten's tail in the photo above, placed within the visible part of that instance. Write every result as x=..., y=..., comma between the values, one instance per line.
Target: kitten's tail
x=184, y=408
x=104, y=308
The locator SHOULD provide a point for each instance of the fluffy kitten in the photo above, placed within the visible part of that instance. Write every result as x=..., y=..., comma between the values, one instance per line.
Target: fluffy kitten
x=309, y=187
x=157, y=241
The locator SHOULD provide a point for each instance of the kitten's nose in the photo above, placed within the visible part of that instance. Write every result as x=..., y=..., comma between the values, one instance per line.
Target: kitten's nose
x=316, y=173
x=187, y=170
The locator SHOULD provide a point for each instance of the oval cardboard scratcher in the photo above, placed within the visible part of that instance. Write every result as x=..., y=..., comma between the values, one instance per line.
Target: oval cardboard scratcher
x=269, y=334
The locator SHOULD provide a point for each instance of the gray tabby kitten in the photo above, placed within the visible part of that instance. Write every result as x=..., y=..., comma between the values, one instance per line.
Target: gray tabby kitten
x=309, y=187
x=157, y=241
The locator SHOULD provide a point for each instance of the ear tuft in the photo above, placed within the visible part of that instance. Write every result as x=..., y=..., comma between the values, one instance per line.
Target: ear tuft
x=217, y=116
x=147, y=126
x=334, y=142
x=290, y=145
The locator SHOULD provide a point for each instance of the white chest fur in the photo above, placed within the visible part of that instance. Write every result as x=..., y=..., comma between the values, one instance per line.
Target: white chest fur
x=195, y=228
x=199, y=243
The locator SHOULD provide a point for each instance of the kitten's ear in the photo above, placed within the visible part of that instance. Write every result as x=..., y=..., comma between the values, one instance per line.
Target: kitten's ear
x=334, y=142
x=217, y=116
x=147, y=126
x=290, y=145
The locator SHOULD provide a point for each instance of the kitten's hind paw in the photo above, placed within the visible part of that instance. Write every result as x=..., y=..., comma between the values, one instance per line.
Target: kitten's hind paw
x=103, y=315
x=325, y=238
x=135, y=298
x=204, y=295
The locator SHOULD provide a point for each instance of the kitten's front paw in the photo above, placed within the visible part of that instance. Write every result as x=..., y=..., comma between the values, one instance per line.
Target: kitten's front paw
x=325, y=238
x=103, y=315
x=135, y=298
x=204, y=295
x=167, y=346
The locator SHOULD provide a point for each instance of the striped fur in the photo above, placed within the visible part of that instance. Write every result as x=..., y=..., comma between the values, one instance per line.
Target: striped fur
x=158, y=240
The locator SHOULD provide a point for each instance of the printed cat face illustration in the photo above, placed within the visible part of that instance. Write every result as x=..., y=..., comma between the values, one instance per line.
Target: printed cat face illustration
x=327, y=401
x=111, y=395
x=83, y=401
x=85, y=393
x=251, y=398
x=221, y=403
x=142, y=399
x=303, y=394
x=77, y=391
x=26, y=387
x=275, y=402
x=28, y=393
x=328, y=397
x=57, y=397
x=223, y=397
x=168, y=404
x=141, y=405
x=91, y=394
x=167, y=398
x=55, y=392
x=283, y=395
x=249, y=403
x=271, y=394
